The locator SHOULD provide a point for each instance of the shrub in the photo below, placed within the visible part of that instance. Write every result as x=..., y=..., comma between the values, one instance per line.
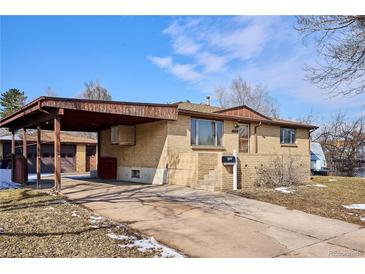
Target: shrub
x=279, y=172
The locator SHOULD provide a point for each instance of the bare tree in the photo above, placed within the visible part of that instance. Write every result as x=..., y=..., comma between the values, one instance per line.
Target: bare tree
x=50, y=92
x=342, y=140
x=94, y=91
x=311, y=118
x=340, y=43
x=241, y=92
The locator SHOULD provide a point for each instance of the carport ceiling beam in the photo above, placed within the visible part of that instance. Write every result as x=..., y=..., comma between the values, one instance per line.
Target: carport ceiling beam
x=34, y=121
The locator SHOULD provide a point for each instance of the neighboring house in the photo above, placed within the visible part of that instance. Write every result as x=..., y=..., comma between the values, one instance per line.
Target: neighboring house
x=78, y=152
x=180, y=143
x=318, y=160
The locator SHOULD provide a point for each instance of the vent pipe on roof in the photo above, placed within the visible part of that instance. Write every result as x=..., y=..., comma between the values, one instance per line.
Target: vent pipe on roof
x=208, y=100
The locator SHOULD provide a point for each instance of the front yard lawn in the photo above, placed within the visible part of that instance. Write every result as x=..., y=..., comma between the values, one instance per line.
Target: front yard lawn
x=34, y=224
x=324, y=196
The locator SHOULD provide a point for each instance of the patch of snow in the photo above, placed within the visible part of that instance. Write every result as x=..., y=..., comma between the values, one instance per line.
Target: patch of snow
x=362, y=218
x=318, y=185
x=32, y=177
x=332, y=180
x=77, y=176
x=9, y=185
x=146, y=244
x=95, y=220
x=285, y=190
x=119, y=237
x=74, y=214
x=355, y=206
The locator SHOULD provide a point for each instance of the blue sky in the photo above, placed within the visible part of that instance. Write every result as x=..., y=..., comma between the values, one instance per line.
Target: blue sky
x=163, y=59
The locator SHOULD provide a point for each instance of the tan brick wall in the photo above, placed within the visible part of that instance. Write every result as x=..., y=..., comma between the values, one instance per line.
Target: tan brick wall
x=182, y=169
x=206, y=162
x=268, y=138
x=250, y=163
x=149, y=150
x=182, y=160
x=80, y=157
x=166, y=144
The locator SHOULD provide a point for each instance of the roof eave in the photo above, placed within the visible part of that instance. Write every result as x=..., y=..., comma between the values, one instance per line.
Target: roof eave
x=221, y=116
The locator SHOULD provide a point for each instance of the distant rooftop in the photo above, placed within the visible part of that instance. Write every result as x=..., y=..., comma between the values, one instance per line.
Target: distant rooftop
x=198, y=107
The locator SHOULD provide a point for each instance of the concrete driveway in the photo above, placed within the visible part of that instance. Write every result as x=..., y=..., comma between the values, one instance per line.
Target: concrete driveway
x=207, y=224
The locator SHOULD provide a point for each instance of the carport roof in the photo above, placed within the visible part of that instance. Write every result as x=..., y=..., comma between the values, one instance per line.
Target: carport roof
x=95, y=115
x=86, y=115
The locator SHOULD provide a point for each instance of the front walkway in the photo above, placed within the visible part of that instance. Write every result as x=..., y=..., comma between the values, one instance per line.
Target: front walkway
x=207, y=224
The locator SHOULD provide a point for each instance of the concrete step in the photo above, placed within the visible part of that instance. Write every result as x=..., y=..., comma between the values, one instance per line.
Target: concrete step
x=208, y=182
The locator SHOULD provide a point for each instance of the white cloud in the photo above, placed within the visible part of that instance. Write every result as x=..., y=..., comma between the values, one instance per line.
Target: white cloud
x=162, y=62
x=242, y=43
x=212, y=43
x=185, y=45
x=184, y=72
x=211, y=62
x=210, y=51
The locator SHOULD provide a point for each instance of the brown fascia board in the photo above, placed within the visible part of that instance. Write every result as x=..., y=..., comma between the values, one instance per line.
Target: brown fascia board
x=106, y=102
x=37, y=104
x=221, y=116
x=33, y=106
x=242, y=106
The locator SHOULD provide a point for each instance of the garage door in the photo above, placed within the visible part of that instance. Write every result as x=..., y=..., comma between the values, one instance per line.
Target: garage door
x=68, y=157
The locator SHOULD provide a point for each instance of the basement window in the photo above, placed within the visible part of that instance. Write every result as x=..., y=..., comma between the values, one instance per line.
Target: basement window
x=136, y=173
x=206, y=132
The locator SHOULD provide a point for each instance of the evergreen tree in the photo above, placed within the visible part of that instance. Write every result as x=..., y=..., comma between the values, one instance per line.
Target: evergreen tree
x=11, y=100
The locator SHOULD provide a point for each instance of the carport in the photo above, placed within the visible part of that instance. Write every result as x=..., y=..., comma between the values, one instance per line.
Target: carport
x=66, y=114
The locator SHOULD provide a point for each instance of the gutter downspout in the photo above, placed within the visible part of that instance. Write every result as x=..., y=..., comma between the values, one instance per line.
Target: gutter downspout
x=255, y=132
x=309, y=138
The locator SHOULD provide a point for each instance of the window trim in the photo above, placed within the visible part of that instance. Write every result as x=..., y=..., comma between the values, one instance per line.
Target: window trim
x=248, y=137
x=291, y=143
x=196, y=144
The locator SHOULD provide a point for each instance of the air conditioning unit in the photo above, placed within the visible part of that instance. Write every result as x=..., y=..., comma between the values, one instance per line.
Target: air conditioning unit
x=123, y=135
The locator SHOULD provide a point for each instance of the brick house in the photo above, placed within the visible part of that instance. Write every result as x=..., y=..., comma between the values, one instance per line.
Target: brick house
x=180, y=143
x=188, y=151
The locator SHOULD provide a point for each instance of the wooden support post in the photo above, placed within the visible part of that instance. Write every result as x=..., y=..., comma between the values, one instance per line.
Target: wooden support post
x=13, y=142
x=25, y=153
x=38, y=155
x=98, y=146
x=12, y=155
x=57, y=153
x=24, y=143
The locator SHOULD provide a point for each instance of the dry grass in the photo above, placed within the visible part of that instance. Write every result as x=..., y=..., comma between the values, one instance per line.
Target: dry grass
x=326, y=201
x=34, y=224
